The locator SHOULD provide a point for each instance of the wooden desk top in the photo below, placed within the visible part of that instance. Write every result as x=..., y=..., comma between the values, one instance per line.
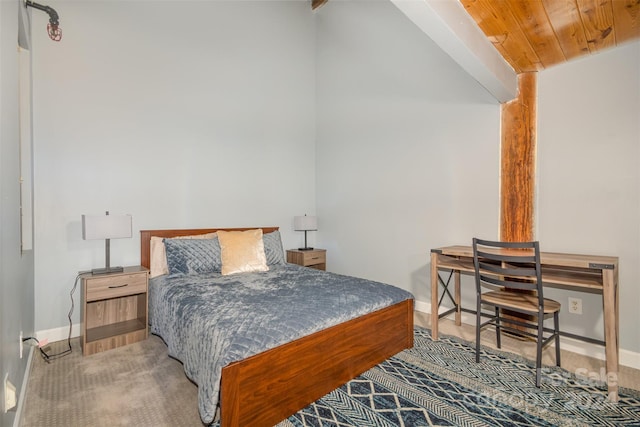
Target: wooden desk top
x=595, y=262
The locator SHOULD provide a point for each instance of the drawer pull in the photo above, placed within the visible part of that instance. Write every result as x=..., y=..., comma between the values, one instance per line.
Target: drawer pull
x=316, y=257
x=118, y=286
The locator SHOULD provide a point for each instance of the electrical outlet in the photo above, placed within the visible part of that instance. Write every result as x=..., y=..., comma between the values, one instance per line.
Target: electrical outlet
x=575, y=305
x=20, y=345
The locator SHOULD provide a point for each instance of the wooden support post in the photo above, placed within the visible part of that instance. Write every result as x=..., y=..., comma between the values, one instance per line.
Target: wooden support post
x=518, y=167
x=518, y=162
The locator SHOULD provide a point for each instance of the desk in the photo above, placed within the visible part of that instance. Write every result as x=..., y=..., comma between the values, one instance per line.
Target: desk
x=585, y=273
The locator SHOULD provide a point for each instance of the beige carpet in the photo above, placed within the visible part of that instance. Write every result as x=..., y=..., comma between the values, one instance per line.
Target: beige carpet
x=135, y=385
x=139, y=385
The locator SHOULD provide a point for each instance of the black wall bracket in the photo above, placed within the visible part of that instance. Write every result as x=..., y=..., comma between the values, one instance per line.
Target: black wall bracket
x=53, y=15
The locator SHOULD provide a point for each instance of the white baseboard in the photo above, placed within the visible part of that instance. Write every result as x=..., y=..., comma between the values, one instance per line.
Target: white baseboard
x=627, y=357
x=58, y=334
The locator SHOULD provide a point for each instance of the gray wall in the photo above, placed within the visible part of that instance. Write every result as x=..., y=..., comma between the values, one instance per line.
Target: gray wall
x=16, y=269
x=589, y=177
x=408, y=147
x=182, y=114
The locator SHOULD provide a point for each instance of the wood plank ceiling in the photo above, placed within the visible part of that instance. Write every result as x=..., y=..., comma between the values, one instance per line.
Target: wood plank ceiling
x=533, y=35
x=536, y=34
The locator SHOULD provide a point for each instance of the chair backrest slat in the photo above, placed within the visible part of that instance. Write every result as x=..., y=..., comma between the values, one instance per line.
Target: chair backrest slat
x=509, y=269
x=508, y=257
x=513, y=265
x=511, y=284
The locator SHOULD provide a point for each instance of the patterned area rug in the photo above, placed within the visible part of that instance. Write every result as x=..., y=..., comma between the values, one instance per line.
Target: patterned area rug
x=438, y=383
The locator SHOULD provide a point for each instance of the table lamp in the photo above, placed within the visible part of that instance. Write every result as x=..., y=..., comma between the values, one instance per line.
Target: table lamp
x=106, y=227
x=305, y=223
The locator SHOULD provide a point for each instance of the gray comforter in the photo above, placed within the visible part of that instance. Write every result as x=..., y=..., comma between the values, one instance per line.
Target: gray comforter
x=210, y=320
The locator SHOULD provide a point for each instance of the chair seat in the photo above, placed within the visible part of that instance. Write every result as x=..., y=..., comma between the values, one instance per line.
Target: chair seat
x=519, y=300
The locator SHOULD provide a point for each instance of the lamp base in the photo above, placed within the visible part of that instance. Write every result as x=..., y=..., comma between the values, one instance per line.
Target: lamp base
x=97, y=271
x=305, y=249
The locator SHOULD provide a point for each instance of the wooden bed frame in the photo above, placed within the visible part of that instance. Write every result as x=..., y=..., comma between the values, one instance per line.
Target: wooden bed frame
x=268, y=387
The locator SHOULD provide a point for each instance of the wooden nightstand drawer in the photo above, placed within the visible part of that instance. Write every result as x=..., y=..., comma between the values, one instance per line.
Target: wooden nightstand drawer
x=115, y=286
x=314, y=258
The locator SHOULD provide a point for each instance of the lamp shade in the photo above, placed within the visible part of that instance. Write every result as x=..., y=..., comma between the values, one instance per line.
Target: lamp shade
x=106, y=227
x=305, y=223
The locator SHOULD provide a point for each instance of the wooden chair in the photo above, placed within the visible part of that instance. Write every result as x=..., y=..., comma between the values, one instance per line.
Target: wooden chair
x=505, y=267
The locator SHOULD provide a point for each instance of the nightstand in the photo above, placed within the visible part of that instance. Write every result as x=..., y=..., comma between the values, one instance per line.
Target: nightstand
x=314, y=258
x=113, y=309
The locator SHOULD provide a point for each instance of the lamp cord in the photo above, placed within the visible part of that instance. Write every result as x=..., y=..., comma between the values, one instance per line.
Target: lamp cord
x=49, y=357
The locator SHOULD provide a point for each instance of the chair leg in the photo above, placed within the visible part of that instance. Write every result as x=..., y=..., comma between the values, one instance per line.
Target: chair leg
x=539, y=350
x=556, y=330
x=478, y=319
x=498, y=328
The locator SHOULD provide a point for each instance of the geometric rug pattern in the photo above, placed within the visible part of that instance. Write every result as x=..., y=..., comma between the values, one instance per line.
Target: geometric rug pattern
x=438, y=383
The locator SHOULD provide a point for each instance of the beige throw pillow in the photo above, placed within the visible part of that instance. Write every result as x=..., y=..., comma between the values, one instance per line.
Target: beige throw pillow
x=242, y=251
x=158, y=255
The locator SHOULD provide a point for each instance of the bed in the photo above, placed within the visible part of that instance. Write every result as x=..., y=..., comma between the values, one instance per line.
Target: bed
x=264, y=388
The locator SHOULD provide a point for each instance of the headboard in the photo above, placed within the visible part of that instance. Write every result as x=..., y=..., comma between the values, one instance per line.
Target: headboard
x=145, y=237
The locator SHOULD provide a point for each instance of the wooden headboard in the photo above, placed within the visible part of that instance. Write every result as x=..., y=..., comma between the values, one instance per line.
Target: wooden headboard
x=145, y=237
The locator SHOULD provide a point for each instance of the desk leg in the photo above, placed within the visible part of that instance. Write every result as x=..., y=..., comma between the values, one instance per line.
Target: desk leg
x=434, y=295
x=611, y=330
x=457, y=297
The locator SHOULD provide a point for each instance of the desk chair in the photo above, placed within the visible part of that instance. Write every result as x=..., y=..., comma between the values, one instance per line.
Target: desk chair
x=504, y=267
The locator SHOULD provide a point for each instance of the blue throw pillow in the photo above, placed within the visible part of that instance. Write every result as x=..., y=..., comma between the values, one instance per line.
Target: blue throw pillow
x=193, y=256
x=273, y=248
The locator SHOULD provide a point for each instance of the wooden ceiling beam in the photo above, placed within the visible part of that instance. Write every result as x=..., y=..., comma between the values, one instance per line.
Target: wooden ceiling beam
x=597, y=18
x=317, y=3
x=626, y=18
x=530, y=35
x=499, y=24
x=535, y=34
x=564, y=17
x=532, y=18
